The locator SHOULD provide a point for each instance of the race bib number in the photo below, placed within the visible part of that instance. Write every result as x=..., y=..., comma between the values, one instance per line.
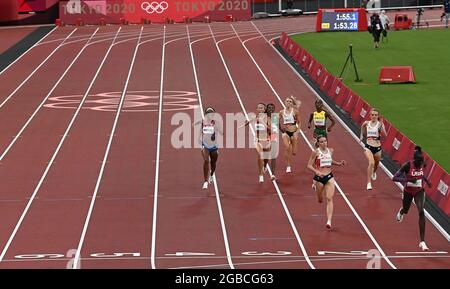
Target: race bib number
x=260, y=127
x=208, y=129
x=289, y=119
x=319, y=122
x=417, y=184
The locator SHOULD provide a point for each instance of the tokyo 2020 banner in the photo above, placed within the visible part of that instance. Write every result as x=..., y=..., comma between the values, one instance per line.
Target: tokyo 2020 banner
x=134, y=11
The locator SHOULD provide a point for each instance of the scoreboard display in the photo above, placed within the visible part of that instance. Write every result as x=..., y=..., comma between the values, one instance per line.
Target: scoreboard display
x=341, y=20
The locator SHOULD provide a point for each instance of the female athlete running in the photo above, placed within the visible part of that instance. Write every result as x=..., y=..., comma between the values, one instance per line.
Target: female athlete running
x=412, y=176
x=290, y=126
x=209, y=145
x=372, y=130
x=320, y=163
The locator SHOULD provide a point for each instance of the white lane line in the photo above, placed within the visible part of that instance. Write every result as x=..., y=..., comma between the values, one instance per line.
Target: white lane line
x=36, y=69
x=105, y=157
x=158, y=146
x=89, y=43
x=29, y=49
x=423, y=253
x=96, y=257
x=46, y=97
x=374, y=241
x=33, y=196
x=216, y=187
x=288, y=214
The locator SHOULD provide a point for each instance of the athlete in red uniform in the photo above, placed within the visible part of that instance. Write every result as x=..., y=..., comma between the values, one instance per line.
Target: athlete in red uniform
x=320, y=163
x=412, y=176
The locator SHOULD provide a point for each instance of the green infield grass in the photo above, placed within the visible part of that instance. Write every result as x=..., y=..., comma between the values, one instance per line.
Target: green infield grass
x=420, y=110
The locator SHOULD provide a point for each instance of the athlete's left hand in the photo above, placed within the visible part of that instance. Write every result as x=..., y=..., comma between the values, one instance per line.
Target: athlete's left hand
x=343, y=163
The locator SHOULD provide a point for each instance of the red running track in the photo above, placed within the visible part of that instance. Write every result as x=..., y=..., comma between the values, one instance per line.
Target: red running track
x=87, y=147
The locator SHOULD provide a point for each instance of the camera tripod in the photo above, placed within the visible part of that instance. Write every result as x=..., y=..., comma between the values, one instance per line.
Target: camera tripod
x=352, y=60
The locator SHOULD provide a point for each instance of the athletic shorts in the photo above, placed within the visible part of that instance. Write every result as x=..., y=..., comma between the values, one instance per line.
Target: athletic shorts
x=210, y=149
x=323, y=179
x=265, y=144
x=289, y=133
x=320, y=131
x=374, y=150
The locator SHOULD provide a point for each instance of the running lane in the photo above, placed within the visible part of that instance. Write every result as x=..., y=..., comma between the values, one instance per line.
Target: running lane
x=308, y=214
x=12, y=76
x=123, y=211
x=259, y=232
x=21, y=105
x=377, y=208
x=187, y=216
x=55, y=218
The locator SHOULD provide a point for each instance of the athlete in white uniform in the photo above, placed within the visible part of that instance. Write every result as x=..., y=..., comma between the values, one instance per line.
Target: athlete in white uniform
x=290, y=126
x=320, y=163
x=208, y=131
x=372, y=130
x=262, y=136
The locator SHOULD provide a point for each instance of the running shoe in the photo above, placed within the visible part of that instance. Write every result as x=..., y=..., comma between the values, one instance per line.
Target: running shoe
x=399, y=216
x=210, y=180
x=374, y=176
x=272, y=177
x=328, y=225
x=423, y=246
x=261, y=179
x=205, y=185
x=288, y=170
x=369, y=186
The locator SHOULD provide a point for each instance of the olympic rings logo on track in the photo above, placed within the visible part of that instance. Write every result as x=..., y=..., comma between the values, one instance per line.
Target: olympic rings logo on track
x=154, y=7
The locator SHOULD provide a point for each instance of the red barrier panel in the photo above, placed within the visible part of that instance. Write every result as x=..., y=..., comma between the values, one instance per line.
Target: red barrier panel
x=324, y=74
x=342, y=95
x=439, y=191
x=300, y=56
x=297, y=57
x=296, y=53
x=443, y=188
x=310, y=68
x=335, y=88
x=403, y=150
x=290, y=46
x=387, y=125
x=327, y=82
x=282, y=39
x=306, y=59
x=360, y=111
x=285, y=42
x=317, y=72
x=429, y=162
x=350, y=102
x=387, y=144
x=294, y=49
